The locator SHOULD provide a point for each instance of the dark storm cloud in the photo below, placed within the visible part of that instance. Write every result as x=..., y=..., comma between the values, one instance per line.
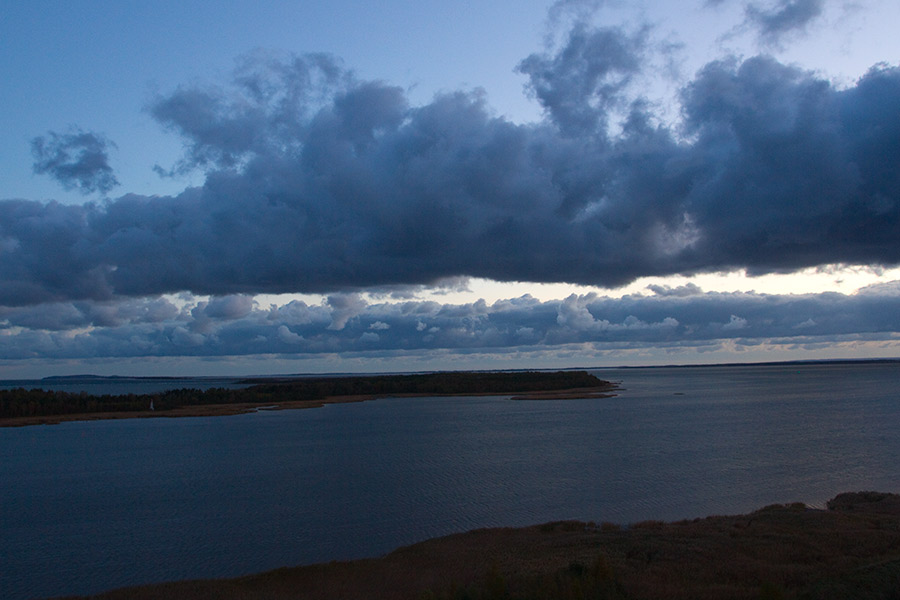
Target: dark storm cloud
x=785, y=17
x=347, y=324
x=318, y=182
x=64, y=316
x=77, y=160
x=787, y=171
x=264, y=113
x=581, y=84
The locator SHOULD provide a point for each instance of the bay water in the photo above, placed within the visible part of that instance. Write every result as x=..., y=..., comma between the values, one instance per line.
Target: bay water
x=90, y=506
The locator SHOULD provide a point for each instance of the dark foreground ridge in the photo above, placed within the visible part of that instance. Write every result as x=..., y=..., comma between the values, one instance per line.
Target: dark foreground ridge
x=30, y=407
x=849, y=551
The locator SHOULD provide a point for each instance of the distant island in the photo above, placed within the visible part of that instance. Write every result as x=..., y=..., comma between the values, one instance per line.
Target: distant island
x=89, y=377
x=849, y=550
x=21, y=406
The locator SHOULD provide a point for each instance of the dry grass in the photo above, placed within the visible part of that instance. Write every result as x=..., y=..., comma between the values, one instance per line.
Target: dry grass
x=851, y=550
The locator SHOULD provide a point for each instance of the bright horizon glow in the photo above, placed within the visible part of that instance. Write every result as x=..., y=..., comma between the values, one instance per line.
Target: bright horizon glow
x=814, y=280
x=844, y=280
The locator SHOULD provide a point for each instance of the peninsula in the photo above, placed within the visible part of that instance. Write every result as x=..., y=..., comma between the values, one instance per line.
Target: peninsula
x=20, y=407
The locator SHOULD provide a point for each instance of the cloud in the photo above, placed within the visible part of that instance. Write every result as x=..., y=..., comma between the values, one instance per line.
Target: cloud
x=573, y=313
x=62, y=316
x=77, y=160
x=343, y=308
x=736, y=322
x=263, y=113
x=581, y=10
x=318, y=182
x=182, y=338
x=287, y=336
x=156, y=328
x=786, y=17
x=688, y=289
x=580, y=84
x=229, y=307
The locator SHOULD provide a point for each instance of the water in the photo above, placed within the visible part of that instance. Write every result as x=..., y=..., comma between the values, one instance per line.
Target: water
x=90, y=506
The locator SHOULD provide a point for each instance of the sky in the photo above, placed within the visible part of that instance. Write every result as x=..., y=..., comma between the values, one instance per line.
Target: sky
x=235, y=188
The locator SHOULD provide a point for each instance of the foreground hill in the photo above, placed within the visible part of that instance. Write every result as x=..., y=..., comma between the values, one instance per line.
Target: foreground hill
x=851, y=550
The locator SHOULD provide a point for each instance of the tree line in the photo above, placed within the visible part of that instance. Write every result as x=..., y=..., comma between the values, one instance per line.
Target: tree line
x=21, y=402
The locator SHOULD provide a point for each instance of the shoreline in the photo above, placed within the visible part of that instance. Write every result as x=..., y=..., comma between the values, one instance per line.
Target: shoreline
x=851, y=549
x=204, y=410
x=239, y=408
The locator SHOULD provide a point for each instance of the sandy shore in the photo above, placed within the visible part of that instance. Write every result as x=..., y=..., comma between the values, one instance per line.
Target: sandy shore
x=222, y=410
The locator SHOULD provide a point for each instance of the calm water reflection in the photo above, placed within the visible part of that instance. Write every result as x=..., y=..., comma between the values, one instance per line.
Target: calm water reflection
x=90, y=506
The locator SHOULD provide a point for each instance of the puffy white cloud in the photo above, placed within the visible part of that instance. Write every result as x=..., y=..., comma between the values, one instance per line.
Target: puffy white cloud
x=343, y=308
x=229, y=307
x=288, y=336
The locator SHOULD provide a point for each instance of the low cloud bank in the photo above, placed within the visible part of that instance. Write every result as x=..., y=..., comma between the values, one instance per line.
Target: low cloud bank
x=349, y=323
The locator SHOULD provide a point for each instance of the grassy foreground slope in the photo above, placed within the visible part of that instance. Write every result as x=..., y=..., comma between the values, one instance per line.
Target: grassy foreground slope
x=851, y=550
